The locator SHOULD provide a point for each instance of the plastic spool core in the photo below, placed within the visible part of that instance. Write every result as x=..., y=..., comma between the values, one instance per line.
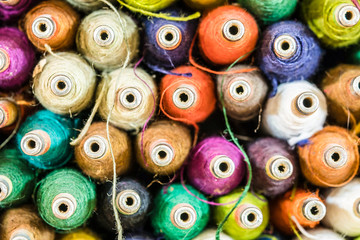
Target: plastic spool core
x=22, y=234
x=183, y=216
x=61, y=85
x=128, y=202
x=347, y=15
x=4, y=60
x=355, y=86
x=285, y=46
x=222, y=166
x=336, y=156
x=307, y=103
x=104, y=35
x=250, y=217
x=184, y=97
x=32, y=143
x=2, y=115
x=5, y=187
x=314, y=210
x=130, y=98
x=43, y=27
x=357, y=207
x=168, y=37
x=279, y=167
x=240, y=90
x=64, y=206
x=233, y=30
x=162, y=154
x=95, y=147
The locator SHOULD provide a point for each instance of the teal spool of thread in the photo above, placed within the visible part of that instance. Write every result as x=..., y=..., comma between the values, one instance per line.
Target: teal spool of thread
x=177, y=214
x=17, y=179
x=44, y=139
x=65, y=199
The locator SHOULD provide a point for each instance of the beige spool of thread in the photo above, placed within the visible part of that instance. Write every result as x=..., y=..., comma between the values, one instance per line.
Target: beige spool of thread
x=129, y=98
x=100, y=38
x=87, y=5
x=166, y=145
x=64, y=83
x=93, y=153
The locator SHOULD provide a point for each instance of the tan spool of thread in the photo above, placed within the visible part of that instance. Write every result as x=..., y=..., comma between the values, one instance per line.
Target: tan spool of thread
x=166, y=147
x=53, y=23
x=23, y=223
x=331, y=159
x=93, y=153
x=8, y=113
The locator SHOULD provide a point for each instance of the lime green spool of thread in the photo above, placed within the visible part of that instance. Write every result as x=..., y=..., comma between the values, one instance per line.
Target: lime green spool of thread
x=335, y=22
x=150, y=5
x=248, y=220
x=17, y=179
x=179, y=215
x=65, y=199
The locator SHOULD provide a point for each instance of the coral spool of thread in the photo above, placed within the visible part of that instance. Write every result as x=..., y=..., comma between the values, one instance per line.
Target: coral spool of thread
x=191, y=99
x=204, y=4
x=248, y=220
x=166, y=145
x=130, y=98
x=179, y=215
x=335, y=23
x=243, y=93
x=104, y=38
x=321, y=233
x=64, y=83
x=11, y=9
x=227, y=33
x=150, y=5
x=24, y=223
x=296, y=112
x=215, y=166
x=132, y=203
x=93, y=153
x=65, y=199
x=52, y=23
x=305, y=206
x=331, y=159
x=82, y=234
x=274, y=164
x=17, y=58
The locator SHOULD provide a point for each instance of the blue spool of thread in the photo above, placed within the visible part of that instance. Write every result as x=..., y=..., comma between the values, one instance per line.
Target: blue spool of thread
x=289, y=52
x=44, y=139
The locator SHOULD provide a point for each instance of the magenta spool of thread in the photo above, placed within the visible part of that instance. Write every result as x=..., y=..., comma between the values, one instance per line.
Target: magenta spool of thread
x=216, y=166
x=274, y=166
x=11, y=9
x=17, y=58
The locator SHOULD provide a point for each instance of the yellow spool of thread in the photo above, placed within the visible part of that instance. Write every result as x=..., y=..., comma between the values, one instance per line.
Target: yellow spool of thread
x=82, y=234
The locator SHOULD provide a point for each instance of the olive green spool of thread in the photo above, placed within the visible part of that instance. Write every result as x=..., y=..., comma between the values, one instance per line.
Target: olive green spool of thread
x=17, y=179
x=65, y=199
x=177, y=214
x=248, y=220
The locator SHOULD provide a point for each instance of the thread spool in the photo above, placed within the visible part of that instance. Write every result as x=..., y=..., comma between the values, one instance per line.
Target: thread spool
x=243, y=93
x=321, y=233
x=209, y=234
x=52, y=23
x=8, y=113
x=215, y=166
x=191, y=99
x=44, y=139
x=11, y=9
x=274, y=165
x=87, y=5
x=83, y=234
x=130, y=98
x=248, y=220
x=65, y=199
x=65, y=84
x=331, y=159
x=103, y=42
x=306, y=207
x=24, y=223
x=17, y=58
x=150, y=5
x=335, y=23
x=166, y=145
x=204, y=4
x=296, y=112
x=227, y=33
x=177, y=214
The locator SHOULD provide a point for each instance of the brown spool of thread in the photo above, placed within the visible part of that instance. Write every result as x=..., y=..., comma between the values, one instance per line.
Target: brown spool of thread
x=53, y=23
x=24, y=223
x=166, y=145
x=93, y=153
x=305, y=206
x=331, y=159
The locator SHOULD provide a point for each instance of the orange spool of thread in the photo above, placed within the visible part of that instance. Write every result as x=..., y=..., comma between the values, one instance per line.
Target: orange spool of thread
x=53, y=23
x=227, y=33
x=331, y=159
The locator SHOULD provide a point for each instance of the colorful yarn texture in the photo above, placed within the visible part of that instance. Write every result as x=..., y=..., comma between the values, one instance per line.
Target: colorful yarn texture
x=11, y=9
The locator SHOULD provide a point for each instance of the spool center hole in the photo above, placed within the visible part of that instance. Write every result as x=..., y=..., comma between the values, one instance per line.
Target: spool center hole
x=240, y=90
x=162, y=154
x=335, y=157
x=233, y=30
x=169, y=37
x=251, y=217
x=63, y=208
x=130, y=98
x=61, y=85
x=184, y=97
x=223, y=167
x=129, y=201
x=285, y=46
x=281, y=168
x=314, y=210
x=94, y=147
x=307, y=102
x=104, y=36
x=43, y=27
x=184, y=217
x=348, y=15
x=31, y=144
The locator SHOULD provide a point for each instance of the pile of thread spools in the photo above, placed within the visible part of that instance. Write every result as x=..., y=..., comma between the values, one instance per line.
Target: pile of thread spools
x=171, y=119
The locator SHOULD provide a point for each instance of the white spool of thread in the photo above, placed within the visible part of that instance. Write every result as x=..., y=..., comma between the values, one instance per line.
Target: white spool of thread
x=209, y=234
x=320, y=234
x=287, y=118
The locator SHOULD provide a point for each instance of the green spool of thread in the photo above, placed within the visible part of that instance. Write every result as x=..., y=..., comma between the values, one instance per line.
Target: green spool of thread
x=179, y=215
x=270, y=11
x=248, y=220
x=334, y=22
x=150, y=5
x=65, y=199
x=17, y=179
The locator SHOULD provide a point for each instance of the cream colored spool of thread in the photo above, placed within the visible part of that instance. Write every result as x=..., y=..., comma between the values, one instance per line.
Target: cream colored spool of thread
x=100, y=38
x=209, y=234
x=320, y=233
x=64, y=83
x=129, y=98
x=296, y=112
x=88, y=5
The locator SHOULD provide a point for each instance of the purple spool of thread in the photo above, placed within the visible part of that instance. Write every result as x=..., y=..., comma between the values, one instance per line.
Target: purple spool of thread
x=274, y=166
x=10, y=9
x=289, y=51
x=17, y=58
x=216, y=166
